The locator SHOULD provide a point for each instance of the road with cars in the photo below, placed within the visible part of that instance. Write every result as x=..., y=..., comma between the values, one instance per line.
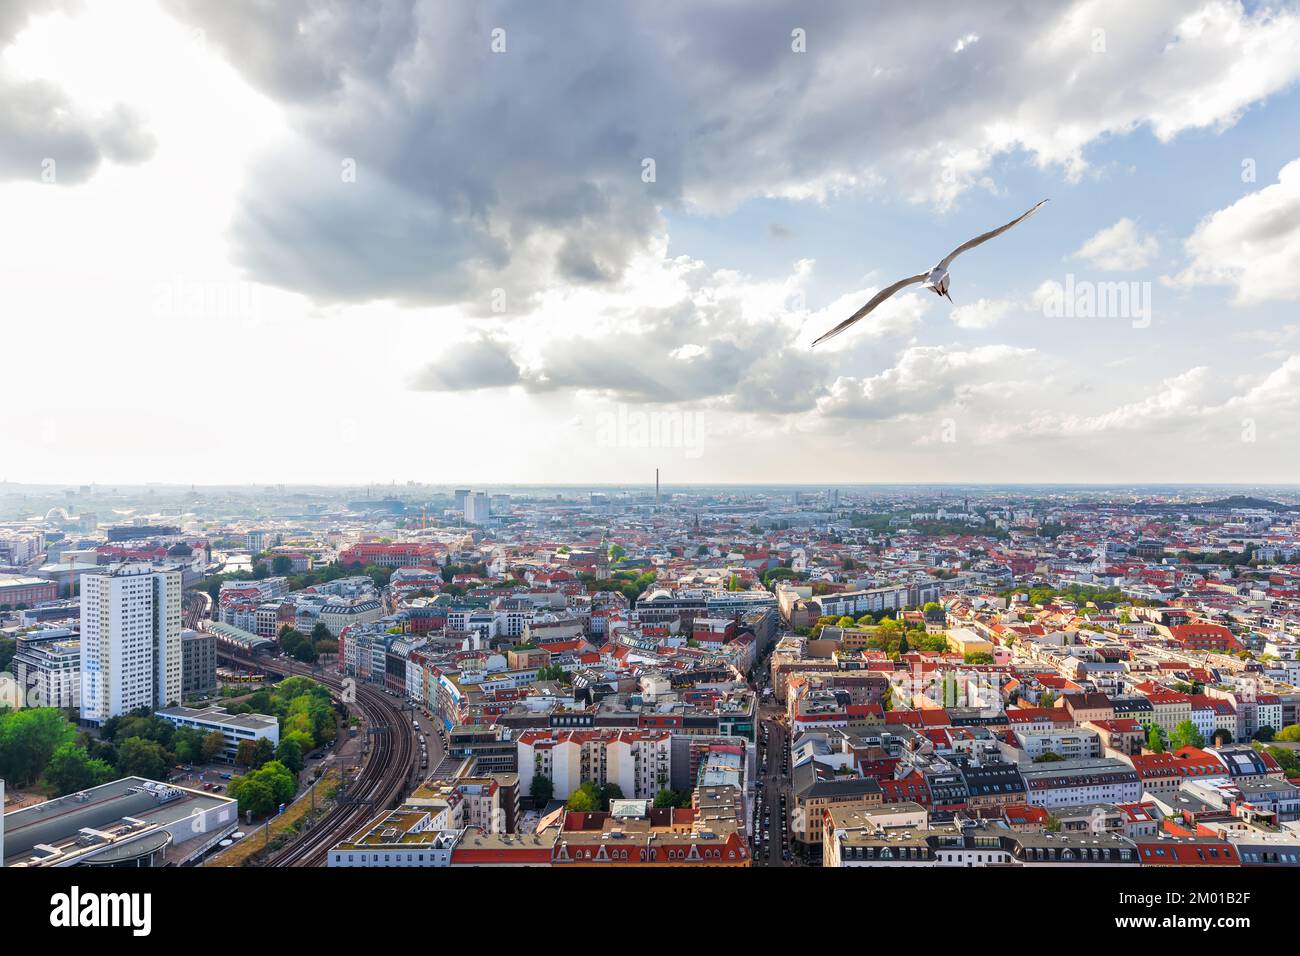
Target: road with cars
x=770, y=825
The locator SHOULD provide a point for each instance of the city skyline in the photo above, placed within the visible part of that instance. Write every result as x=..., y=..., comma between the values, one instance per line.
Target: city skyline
x=318, y=288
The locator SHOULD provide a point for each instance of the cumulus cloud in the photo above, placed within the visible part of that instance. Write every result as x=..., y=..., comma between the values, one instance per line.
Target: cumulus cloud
x=523, y=169
x=1181, y=398
x=691, y=352
x=719, y=339
x=1253, y=246
x=39, y=126
x=482, y=363
x=1120, y=248
x=1279, y=390
x=924, y=380
x=982, y=313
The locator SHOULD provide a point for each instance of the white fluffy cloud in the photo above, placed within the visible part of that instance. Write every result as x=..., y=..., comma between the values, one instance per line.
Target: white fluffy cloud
x=1179, y=397
x=1120, y=248
x=924, y=380
x=982, y=313
x=1253, y=245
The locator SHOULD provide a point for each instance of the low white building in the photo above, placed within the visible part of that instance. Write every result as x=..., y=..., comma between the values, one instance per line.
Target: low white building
x=235, y=728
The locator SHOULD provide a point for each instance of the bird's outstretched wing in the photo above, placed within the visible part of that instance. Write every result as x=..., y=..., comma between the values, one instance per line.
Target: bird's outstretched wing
x=971, y=244
x=876, y=299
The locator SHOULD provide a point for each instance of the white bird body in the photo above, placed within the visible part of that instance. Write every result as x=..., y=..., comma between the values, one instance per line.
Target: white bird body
x=936, y=280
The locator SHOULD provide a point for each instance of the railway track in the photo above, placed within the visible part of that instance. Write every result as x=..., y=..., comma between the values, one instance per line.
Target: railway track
x=381, y=783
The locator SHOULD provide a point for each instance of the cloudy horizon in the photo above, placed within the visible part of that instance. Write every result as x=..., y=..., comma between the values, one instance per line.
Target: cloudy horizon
x=339, y=243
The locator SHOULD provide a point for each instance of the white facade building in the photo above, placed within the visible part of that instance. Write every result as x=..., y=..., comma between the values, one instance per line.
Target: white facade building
x=234, y=728
x=47, y=665
x=638, y=761
x=130, y=640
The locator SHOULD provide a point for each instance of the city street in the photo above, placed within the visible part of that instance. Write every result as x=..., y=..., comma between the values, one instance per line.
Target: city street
x=771, y=817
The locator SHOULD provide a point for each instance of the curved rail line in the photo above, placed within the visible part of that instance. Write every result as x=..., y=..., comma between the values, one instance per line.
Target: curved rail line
x=379, y=785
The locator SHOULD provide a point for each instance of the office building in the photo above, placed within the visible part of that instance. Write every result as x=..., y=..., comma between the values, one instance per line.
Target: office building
x=478, y=508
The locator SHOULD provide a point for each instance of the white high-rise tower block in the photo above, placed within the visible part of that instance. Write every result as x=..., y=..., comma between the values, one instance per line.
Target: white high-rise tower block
x=130, y=640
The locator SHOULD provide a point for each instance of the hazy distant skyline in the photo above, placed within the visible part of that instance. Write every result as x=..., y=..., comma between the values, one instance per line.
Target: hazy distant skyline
x=355, y=242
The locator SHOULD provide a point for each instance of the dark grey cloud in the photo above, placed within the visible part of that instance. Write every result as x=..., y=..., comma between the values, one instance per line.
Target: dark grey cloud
x=483, y=363
x=528, y=162
x=39, y=125
x=522, y=170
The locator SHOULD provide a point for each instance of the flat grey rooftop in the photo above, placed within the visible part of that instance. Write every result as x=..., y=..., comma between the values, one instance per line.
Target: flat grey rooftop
x=57, y=822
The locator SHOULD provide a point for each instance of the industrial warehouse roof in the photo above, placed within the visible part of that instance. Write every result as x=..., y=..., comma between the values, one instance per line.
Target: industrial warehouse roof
x=67, y=824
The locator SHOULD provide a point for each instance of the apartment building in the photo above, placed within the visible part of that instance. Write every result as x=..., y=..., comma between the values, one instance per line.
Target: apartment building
x=638, y=761
x=47, y=667
x=1074, y=782
x=131, y=653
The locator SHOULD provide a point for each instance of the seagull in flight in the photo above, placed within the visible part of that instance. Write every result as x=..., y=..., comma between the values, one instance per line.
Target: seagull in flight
x=936, y=280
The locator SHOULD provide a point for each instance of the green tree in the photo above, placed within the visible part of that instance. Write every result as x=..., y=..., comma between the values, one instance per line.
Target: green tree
x=263, y=751
x=306, y=743
x=1185, y=735
x=1155, y=738
x=281, y=565
x=611, y=791
x=289, y=753
x=138, y=757
x=187, y=745
x=1291, y=732
x=263, y=790
x=1264, y=733
x=71, y=769
x=581, y=801
x=254, y=796
x=213, y=746
x=541, y=790
x=28, y=739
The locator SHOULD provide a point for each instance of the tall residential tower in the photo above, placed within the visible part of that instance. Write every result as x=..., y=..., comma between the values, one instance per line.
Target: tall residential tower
x=130, y=640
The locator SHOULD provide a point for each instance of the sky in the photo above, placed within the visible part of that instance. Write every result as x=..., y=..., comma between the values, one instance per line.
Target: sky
x=571, y=242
